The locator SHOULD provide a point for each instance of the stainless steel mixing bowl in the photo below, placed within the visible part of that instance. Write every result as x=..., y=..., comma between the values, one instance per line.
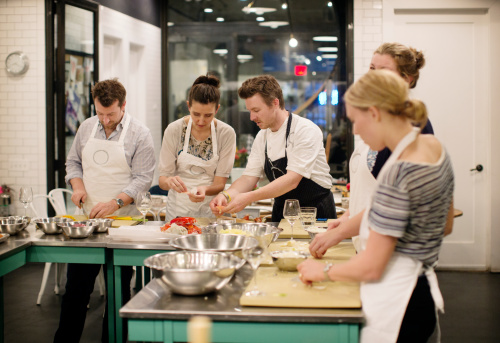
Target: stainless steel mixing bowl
x=81, y=229
x=193, y=272
x=12, y=225
x=103, y=224
x=268, y=232
x=49, y=225
x=288, y=260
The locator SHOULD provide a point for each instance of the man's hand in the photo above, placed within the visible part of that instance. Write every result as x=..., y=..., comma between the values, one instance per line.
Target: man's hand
x=218, y=204
x=78, y=196
x=238, y=203
x=103, y=209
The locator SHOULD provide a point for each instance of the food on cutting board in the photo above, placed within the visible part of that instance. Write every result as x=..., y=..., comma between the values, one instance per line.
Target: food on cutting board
x=176, y=230
x=249, y=217
x=186, y=222
x=68, y=216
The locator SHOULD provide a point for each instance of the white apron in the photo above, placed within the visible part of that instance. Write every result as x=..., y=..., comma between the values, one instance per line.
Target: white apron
x=105, y=170
x=362, y=184
x=385, y=301
x=194, y=172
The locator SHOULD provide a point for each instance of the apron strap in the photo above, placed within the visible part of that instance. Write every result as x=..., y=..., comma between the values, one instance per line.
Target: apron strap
x=126, y=125
x=187, y=135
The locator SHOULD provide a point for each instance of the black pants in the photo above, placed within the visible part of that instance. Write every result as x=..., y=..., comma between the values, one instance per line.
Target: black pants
x=79, y=286
x=419, y=321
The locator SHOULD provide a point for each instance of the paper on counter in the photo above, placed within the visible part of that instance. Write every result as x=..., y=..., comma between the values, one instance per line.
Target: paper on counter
x=140, y=233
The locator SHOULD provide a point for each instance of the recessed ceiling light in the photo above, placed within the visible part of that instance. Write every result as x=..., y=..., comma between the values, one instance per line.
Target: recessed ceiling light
x=325, y=39
x=328, y=49
x=220, y=51
x=170, y=23
x=220, y=19
x=258, y=10
x=260, y=19
x=329, y=56
x=273, y=24
x=330, y=4
x=208, y=10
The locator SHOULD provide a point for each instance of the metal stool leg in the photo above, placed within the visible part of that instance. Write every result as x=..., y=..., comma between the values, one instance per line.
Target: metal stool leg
x=45, y=278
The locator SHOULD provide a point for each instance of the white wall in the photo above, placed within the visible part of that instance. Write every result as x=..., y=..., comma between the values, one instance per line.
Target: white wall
x=22, y=99
x=131, y=51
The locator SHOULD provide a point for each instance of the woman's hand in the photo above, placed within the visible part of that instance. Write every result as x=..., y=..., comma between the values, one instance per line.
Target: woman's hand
x=311, y=271
x=197, y=194
x=322, y=242
x=175, y=183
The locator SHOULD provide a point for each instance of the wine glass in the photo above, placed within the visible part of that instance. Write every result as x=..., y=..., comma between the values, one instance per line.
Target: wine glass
x=143, y=203
x=254, y=252
x=156, y=205
x=26, y=197
x=291, y=212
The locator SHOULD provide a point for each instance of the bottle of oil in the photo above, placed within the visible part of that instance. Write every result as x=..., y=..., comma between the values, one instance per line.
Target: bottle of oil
x=199, y=330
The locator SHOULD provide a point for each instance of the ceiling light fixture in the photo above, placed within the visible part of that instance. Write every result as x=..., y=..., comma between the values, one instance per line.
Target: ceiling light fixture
x=284, y=5
x=293, y=42
x=329, y=4
x=329, y=56
x=208, y=10
x=328, y=49
x=219, y=19
x=273, y=24
x=220, y=49
x=325, y=39
x=260, y=19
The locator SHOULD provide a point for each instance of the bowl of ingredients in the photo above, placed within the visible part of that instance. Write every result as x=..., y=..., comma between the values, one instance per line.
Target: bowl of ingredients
x=12, y=225
x=193, y=272
x=103, y=224
x=258, y=230
x=49, y=225
x=313, y=231
x=79, y=229
x=288, y=260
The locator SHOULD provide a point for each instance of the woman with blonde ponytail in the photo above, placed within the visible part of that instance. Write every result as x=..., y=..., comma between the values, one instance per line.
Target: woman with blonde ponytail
x=402, y=228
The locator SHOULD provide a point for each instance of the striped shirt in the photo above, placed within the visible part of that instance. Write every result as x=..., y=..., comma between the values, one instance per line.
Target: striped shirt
x=139, y=152
x=411, y=202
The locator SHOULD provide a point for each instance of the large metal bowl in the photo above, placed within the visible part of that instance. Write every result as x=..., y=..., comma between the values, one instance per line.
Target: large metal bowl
x=288, y=260
x=103, y=224
x=12, y=225
x=193, y=272
x=81, y=229
x=212, y=242
x=49, y=225
x=258, y=230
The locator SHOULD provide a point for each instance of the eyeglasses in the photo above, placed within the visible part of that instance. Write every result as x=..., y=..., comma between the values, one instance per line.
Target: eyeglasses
x=273, y=168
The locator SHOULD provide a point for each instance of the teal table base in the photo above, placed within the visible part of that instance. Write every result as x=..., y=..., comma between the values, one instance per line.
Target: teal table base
x=169, y=331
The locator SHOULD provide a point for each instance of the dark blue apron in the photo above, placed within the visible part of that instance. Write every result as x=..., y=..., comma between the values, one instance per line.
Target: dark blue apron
x=308, y=192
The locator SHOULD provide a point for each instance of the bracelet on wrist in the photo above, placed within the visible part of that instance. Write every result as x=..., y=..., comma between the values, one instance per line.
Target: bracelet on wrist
x=226, y=195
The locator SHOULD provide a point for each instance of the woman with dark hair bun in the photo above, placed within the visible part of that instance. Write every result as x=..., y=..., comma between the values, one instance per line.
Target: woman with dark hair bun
x=197, y=153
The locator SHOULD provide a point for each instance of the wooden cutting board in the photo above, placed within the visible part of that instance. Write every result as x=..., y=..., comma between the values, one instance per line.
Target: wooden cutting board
x=116, y=223
x=284, y=289
x=298, y=231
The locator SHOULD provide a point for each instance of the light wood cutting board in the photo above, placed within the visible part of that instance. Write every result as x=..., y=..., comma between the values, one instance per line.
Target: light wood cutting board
x=116, y=223
x=298, y=231
x=284, y=289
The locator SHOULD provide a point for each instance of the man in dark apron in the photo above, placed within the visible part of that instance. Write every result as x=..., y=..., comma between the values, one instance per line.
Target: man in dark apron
x=288, y=149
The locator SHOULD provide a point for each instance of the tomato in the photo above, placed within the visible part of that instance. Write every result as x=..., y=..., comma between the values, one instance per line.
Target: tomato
x=258, y=220
x=246, y=217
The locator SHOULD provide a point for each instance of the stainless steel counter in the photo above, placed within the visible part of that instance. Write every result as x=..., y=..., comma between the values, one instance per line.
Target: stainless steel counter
x=156, y=301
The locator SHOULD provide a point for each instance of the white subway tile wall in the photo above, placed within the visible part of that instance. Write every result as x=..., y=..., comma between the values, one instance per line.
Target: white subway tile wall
x=22, y=99
x=367, y=33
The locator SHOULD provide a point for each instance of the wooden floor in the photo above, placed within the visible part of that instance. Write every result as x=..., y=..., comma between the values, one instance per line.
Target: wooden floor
x=472, y=305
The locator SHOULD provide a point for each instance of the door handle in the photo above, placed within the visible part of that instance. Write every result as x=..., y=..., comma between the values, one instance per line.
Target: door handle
x=478, y=168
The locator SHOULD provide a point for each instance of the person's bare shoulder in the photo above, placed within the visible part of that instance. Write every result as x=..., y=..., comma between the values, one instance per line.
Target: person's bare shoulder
x=425, y=149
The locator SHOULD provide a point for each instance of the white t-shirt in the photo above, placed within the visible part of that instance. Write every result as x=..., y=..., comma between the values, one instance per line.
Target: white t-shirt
x=172, y=144
x=305, y=151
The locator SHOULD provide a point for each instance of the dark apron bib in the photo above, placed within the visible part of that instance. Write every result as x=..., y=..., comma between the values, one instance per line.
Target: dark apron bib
x=308, y=192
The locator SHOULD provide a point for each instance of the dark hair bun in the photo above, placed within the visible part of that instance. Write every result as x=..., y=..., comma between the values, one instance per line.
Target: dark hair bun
x=208, y=79
x=419, y=58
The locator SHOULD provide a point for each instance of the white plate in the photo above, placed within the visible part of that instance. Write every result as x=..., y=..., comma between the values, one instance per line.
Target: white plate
x=140, y=233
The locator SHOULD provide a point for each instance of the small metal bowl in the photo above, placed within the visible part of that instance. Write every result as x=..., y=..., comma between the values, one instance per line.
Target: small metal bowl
x=288, y=260
x=12, y=225
x=81, y=229
x=103, y=224
x=258, y=230
x=49, y=225
x=314, y=231
x=193, y=272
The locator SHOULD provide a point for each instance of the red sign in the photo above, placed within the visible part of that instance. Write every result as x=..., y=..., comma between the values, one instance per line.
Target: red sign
x=300, y=70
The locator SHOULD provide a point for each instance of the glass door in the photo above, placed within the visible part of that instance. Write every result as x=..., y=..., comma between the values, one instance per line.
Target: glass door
x=74, y=52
